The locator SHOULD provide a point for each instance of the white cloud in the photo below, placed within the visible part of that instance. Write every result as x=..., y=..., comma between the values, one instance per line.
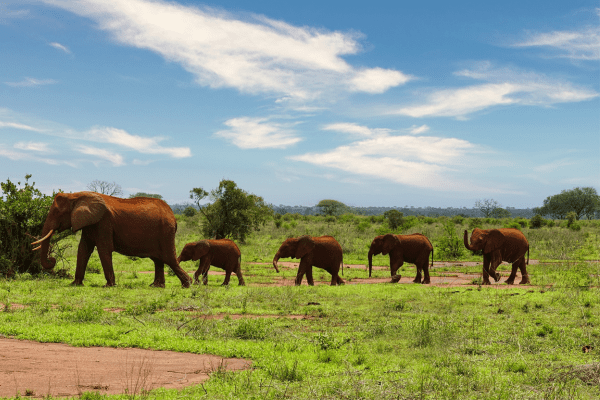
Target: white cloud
x=114, y=158
x=60, y=47
x=416, y=130
x=507, y=86
x=255, y=54
x=32, y=146
x=31, y=82
x=377, y=80
x=258, y=133
x=17, y=125
x=354, y=129
x=581, y=44
x=23, y=156
x=134, y=142
x=552, y=166
x=421, y=161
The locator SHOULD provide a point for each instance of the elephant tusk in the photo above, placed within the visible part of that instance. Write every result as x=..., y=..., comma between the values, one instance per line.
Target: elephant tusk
x=37, y=248
x=44, y=238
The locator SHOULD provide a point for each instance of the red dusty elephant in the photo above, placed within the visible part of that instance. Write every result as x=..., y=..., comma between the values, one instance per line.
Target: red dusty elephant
x=507, y=244
x=222, y=253
x=141, y=227
x=321, y=252
x=413, y=248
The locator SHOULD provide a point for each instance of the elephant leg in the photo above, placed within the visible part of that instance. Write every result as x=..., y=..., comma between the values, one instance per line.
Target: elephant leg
x=84, y=251
x=394, y=267
x=107, y=266
x=184, y=278
x=426, y=279
x=238, y=273
x=418, y=276
x=304, y=269
x=201, y=271
x=227, y=277
x=340, y=281
x=486, y=265
x=523, y=267
x=159, y=273
x=513, y=274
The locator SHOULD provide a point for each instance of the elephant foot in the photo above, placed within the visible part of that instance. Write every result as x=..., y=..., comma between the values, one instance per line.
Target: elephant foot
x=77, y=283
x=157, y=284
x=426, y=282
x=525, y=280
x=486, y=283
x=396, y=278
x=497, y=277
x=110, y=284
x=416, y=280
x=510, y=281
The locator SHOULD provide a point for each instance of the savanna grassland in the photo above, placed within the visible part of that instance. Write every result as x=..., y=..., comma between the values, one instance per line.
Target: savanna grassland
x=357, y=341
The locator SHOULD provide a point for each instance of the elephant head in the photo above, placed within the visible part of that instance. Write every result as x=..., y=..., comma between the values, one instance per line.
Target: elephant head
x=294, y=248
x=376, y=248
x=489, y=240
x=389, y=243
x=194, y=251
x=69, y=210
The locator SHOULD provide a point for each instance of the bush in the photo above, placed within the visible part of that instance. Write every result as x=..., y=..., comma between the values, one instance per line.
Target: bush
x=537, y=221
x=513, y=224
x=521, y=221
x=571, y=217
x=475, y=223
x=450, y=244
x=23, y=212
x=363, y=226
x=458, y=219
x=189, y=211
x=394, y=218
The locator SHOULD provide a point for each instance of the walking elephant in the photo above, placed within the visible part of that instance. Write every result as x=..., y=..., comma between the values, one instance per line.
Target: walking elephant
x=413, y=248
x=141, y=227
x=321, y=252
x=222, y=253
x=507, y=244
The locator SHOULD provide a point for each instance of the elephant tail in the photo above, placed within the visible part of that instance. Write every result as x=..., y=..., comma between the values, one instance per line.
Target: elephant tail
x=432, y=257
x=527, y=255
x=342, y=265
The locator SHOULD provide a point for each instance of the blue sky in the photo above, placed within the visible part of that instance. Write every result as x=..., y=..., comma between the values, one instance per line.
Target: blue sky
x=370, y=103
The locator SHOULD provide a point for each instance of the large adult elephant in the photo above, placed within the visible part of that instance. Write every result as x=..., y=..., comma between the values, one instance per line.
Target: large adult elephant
x=141, y=227
x=322, y=252
x=506, y=244
x=222, y=253
x=413, y=248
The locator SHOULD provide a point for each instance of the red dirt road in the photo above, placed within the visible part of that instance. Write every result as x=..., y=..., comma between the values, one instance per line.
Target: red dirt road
x=62, y=370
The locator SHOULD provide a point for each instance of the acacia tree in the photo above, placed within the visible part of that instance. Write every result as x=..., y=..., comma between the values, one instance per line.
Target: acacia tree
x=233, y=213
x=109, y=188
x=331, y=207
x=487, y=207
x=581, y=201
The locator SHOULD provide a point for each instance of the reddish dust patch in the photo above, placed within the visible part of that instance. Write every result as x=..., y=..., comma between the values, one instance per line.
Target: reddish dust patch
x=43, y=369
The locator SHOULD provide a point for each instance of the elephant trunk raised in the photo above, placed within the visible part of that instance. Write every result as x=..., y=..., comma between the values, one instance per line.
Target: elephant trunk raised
x=275, y=259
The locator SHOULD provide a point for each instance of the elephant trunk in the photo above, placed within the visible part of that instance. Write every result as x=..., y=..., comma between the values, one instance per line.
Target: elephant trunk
x=467, y=245
x=275, y=261
x=47, y=263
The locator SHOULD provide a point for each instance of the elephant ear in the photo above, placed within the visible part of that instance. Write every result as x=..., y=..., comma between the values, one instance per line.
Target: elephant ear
x=494, y=241
x=389, y=242
x=87, y=210
x=200, y=250
x=305, y=246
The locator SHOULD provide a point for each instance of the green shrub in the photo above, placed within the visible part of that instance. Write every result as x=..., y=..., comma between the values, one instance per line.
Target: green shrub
x=475, y=223
x=513, y=224
x=394, y=218
x=23, y=211
x=458, y=219
x=537, y=221
x=189, y=211
x=450, y=245
x=575, y=226
x=521, y=221
x=571, y=217
x=363, y=226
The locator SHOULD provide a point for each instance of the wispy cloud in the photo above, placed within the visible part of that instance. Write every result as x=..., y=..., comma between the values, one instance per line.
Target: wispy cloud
x=354, y=129
x=60, y=47
x=258, y=133
x=253, y=54
x=17, y=125
x=421, y=161
x=554, y=165
x=416, y=130
x=6, y=14
x=581, y=44
x=114, y=158
x=31, y=82
x=507, y=86
x=33, y=146
x=134, y=142
x=16, y=155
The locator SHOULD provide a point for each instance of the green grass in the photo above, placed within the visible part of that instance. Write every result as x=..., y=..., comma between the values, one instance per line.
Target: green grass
x=369, y=341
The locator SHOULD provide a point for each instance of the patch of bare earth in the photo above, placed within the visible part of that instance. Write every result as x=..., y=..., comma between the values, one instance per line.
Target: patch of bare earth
x=42, y=369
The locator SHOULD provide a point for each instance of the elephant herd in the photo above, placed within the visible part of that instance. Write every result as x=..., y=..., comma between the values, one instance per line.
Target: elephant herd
x=145, y=227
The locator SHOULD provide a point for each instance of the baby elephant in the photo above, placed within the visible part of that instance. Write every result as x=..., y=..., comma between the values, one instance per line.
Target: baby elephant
x=222, y=253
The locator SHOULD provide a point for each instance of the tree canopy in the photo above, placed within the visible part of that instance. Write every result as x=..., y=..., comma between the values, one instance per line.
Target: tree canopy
x=233, y=213
x=394, y=218
x=331, y=207
x=142, y=194
x=582, y=201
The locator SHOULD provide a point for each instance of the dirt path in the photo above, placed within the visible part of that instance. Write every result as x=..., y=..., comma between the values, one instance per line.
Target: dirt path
x=42, y=369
